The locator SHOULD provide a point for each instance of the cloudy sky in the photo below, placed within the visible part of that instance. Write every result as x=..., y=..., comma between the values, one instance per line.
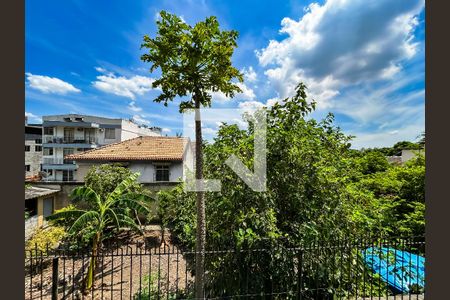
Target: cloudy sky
x=362, y=60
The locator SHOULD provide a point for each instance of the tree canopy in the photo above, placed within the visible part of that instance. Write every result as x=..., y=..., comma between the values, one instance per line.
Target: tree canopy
x=194, y=60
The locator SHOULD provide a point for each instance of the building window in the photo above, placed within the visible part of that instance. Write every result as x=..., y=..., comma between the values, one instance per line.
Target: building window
x=48, y=130
x=89, y=135
x=48, y=207
x=162, y=173
x=27, y=168
x=69, y=134
x=110, y=133
x=68, y=151
x=27, y=148
x=48, y=151
x=38, y=141
x=67, y=175
x=38, y=148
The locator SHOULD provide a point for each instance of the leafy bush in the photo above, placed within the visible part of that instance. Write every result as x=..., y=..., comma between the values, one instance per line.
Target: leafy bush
x=46, y=238
x=104, y=178
x=150, y=290
x=392, y=202
x=308, y=167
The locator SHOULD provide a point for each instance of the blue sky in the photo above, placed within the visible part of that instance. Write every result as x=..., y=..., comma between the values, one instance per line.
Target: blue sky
x=362, y=60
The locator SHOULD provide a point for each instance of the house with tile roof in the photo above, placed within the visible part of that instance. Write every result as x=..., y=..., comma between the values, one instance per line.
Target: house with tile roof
x=158, y=159
x=73, y=133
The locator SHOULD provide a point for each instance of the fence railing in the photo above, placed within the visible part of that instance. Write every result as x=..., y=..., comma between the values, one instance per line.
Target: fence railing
x=71, y=140
x=341, y=270
x=56, y=161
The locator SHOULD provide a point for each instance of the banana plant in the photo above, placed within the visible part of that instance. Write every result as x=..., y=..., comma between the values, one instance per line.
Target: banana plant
x=105, y=213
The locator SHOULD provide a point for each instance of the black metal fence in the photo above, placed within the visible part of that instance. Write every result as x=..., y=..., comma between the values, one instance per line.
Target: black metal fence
x=345, y=269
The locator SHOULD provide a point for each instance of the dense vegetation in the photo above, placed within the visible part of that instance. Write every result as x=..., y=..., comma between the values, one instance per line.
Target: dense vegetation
x=109, y=202
x=318, y=190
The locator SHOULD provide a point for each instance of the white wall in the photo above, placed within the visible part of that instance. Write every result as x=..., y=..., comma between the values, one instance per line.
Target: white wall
x=146, y=169
x=188, y=159
x=409, y=154
x=131, y=130
x=82, y=170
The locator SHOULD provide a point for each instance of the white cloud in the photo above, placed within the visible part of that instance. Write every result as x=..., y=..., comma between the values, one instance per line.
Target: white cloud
x=250, y=74
x=246, y=94
x=132, y=106
x=254, y=105
x=386, y=138
x=32, y=118
x=208, y=130
x=166, y=130
x=50, y=85
x=250, y=105
x=140, y=120
x=129, y=87
x=270, y=102
x=100, y=70
x=341, y=43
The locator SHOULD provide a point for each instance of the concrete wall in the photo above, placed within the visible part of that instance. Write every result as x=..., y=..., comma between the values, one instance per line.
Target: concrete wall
x=62, y=198
x=33, y=157
x=131, y=130
x=188, y=160
x=409, y=154
x=146, y=169
x=31, y=224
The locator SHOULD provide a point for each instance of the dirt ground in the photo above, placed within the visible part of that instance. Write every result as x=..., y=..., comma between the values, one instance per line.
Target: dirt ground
x=122, y=270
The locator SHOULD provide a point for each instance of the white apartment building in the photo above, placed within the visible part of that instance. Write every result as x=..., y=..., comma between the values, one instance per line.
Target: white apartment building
x=72, y=134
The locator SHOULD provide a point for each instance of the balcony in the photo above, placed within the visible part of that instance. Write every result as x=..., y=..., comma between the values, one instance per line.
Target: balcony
x=56, y=161
x=58, y=164
x=70, y=141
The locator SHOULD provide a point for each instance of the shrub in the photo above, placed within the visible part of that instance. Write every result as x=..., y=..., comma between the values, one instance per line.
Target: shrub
x=46, y=238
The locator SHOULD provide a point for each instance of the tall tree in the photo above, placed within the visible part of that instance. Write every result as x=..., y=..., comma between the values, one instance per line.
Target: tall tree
x=194, y=61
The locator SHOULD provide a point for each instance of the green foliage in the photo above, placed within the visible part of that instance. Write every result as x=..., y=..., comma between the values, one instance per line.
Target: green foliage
x=177, y=211
x=105, y=214
x=404, y=145
x=110, y=211
x=306, y=195
x=392, y=201
x=103, y=179
x=318, y=191
x=373, y=162
x=194, y=60
x=63, y=222
x=46, y=238
x=151, y=290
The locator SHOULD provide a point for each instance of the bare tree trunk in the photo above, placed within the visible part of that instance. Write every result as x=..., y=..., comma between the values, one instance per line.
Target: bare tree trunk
x=201, y=224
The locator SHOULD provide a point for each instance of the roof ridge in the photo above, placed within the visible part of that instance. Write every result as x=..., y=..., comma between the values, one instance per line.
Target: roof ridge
x=161, y=148
x=95, y=149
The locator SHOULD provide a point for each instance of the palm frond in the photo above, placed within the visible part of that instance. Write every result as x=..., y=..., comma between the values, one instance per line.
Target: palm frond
x=66, y=214
x=87, y=194
x=84, y=220
x=110, y=212
x=138, y=202
x=126, y=220
x=122, y=187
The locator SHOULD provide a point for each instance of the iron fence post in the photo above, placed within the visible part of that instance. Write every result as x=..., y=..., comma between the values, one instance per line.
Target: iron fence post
x=55, y=278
